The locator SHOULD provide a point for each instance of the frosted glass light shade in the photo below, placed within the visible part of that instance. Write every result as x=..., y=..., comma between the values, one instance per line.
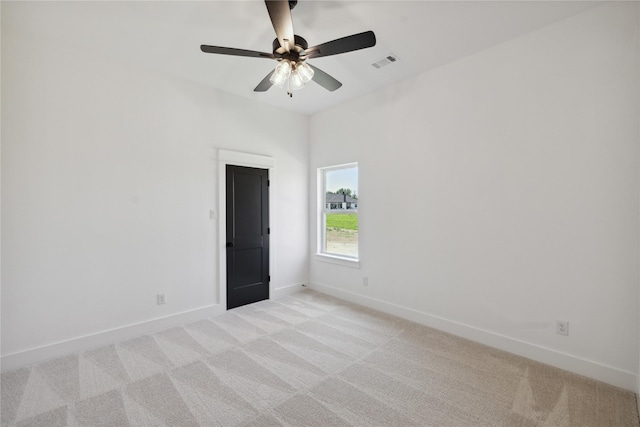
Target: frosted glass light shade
x=296, y=80
x=304, y=71
x=281, y=73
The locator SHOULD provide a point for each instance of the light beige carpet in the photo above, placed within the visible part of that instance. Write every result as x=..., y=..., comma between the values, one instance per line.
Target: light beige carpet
x=307, y=359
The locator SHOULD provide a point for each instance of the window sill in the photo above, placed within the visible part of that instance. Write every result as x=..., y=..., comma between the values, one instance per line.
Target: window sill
x=337, y=259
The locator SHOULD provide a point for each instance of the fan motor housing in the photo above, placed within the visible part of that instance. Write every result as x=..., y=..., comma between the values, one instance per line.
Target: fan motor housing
x=300, y=44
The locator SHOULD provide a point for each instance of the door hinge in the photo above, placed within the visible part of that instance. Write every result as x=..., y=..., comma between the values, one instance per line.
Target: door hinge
x=269, y=278
x=268, y=230
x=268, y=183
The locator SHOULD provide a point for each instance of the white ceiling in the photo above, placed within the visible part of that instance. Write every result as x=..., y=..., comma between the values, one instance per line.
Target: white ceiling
x=165, y=37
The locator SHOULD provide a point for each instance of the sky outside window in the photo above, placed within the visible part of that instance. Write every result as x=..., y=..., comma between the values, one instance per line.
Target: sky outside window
x=342, y=178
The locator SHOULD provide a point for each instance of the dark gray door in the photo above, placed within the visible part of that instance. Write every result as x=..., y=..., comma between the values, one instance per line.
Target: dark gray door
x=247, y=235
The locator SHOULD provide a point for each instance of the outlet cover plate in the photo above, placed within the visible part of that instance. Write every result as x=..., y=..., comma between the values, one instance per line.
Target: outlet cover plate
x=562, y=327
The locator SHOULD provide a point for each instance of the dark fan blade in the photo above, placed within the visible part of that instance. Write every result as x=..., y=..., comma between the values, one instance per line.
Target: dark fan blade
x=324, y=79
x=280, y=15
x=236, y=52
x=265, y=84
x=345, y=44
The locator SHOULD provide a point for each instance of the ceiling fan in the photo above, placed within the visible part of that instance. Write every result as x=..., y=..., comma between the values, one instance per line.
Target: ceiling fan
x=291, y=51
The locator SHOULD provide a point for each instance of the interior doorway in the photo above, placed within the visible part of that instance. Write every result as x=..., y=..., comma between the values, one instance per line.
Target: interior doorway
x=247, y=235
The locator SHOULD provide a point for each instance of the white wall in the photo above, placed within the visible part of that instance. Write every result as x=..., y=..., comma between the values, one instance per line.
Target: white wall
x=517, y=174
x=108, y=177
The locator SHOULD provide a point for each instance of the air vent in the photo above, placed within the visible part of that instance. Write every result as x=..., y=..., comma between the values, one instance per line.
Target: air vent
x=389, y=59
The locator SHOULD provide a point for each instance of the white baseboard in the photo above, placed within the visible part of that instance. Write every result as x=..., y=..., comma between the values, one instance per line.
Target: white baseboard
x=608, y=374
x=75, y=345
x=287, y=290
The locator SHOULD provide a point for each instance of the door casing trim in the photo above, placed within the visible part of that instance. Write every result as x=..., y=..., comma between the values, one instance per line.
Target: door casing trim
x=237, y=158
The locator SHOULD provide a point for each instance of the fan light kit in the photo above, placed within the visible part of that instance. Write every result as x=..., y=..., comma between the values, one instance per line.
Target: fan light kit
x=291, y=51
x=294, y=74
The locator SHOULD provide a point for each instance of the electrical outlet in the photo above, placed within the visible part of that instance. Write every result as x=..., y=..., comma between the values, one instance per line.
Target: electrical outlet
x=562, y=327
x=162, y=298
x=365, y=281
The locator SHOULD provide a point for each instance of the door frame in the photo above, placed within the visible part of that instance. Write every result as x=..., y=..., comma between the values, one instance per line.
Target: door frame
x=237, y=158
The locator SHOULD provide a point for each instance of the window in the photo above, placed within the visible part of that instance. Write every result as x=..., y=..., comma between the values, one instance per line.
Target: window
x=338, y=211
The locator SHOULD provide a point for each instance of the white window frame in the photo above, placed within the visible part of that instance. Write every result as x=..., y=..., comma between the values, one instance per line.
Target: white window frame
x=321, y=255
